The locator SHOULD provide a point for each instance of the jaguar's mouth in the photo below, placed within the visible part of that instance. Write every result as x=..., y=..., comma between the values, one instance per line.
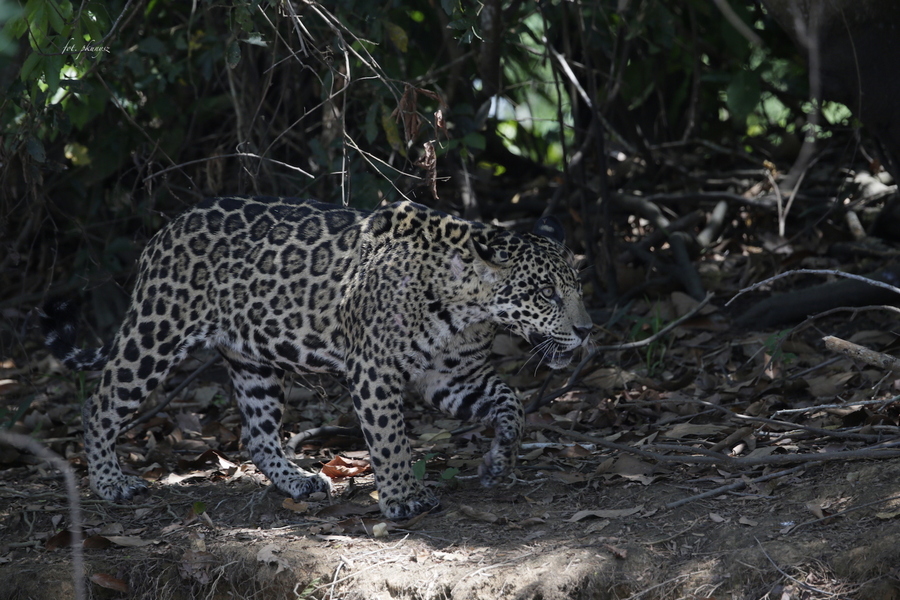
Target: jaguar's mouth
x=551, y=352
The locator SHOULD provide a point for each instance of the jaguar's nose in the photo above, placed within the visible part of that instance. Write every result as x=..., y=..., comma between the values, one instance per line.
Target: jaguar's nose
x=583, y=332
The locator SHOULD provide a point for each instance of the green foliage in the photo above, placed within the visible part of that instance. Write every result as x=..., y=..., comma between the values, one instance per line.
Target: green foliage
x=773, y=345
x=447, y=476
x=654, y=353
x=419, y=466
x=9, y=416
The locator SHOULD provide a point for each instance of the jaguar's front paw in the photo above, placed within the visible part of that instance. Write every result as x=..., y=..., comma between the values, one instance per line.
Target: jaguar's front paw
x=118, y=489
x=305, y=484
x=407, y=506
x=493, y=471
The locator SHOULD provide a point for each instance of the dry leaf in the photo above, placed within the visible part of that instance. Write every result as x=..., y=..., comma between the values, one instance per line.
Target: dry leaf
x=109, y=582
x=267, y=555
x=690, y=429
x=62, y=539
x=97, y=542
x=128, y=541
x=478, y=515
x=428, y=162
x=339, y=467
x=297, y=507
x=816, y=509
x=717, y=518
x=620, y=553
x=605, y=514
x=574, y=451
x=196, y=564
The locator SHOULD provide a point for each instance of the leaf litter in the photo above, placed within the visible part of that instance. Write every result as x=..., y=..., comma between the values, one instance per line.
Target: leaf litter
x=652, y=456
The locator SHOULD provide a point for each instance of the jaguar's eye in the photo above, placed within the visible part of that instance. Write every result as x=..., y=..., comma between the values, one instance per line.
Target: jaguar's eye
x=548, y=292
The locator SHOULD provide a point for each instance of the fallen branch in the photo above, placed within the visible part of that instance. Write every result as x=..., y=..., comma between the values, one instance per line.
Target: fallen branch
x=868, y=356
x=737, y=485
x=886, y=450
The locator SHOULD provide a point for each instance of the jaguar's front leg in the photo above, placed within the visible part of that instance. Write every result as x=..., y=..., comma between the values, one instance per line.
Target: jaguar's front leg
x=478, y=394
x=377, y=398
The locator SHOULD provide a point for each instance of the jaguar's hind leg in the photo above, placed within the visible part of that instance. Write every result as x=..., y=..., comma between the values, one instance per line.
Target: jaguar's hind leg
x=133, y=371
x=260, y=398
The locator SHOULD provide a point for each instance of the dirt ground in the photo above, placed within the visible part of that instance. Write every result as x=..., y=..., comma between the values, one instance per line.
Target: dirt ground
x=528, y=540
x=580, y=520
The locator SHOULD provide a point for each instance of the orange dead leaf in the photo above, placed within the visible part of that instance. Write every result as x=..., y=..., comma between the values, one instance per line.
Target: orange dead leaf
x=339, y=467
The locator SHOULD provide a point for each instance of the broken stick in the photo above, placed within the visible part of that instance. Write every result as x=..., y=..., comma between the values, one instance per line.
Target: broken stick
x=867, y=355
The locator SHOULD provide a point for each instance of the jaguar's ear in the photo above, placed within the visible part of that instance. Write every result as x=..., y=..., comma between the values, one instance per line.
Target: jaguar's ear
x=550, y=227
x=490, y=251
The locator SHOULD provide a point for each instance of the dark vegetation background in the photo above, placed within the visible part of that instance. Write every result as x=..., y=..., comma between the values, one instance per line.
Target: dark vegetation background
x=622, y=117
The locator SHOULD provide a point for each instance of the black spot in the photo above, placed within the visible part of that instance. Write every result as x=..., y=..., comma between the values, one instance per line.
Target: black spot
x=131, y=352
x=230, y=204
x=146, y=368
x=287, y=351
x=251, y=211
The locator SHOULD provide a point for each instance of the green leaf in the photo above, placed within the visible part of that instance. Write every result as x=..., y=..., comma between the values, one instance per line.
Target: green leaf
x=474, y=140
x=56, y=20
x=449, y=6
x=151, y=45
x=391, y=129
x=92, y=28
x=398, y=36
x=449, y=473
x=198, y=507
x=461, y=24
x=54, y=65
x=34, y=63
x=233, y=54
x=419, y=469
x=743, y=95
x=35, y=148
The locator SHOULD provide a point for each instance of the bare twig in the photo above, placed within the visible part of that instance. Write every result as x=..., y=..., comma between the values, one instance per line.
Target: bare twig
x=234, y=155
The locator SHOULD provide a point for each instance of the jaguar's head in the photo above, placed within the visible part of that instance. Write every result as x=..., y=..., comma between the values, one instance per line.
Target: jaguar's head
x=536, y=291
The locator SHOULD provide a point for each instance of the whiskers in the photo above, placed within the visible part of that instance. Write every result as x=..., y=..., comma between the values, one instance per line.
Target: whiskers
x=548, y=350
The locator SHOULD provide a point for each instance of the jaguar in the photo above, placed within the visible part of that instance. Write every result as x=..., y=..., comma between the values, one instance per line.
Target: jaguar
x=399, y=300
